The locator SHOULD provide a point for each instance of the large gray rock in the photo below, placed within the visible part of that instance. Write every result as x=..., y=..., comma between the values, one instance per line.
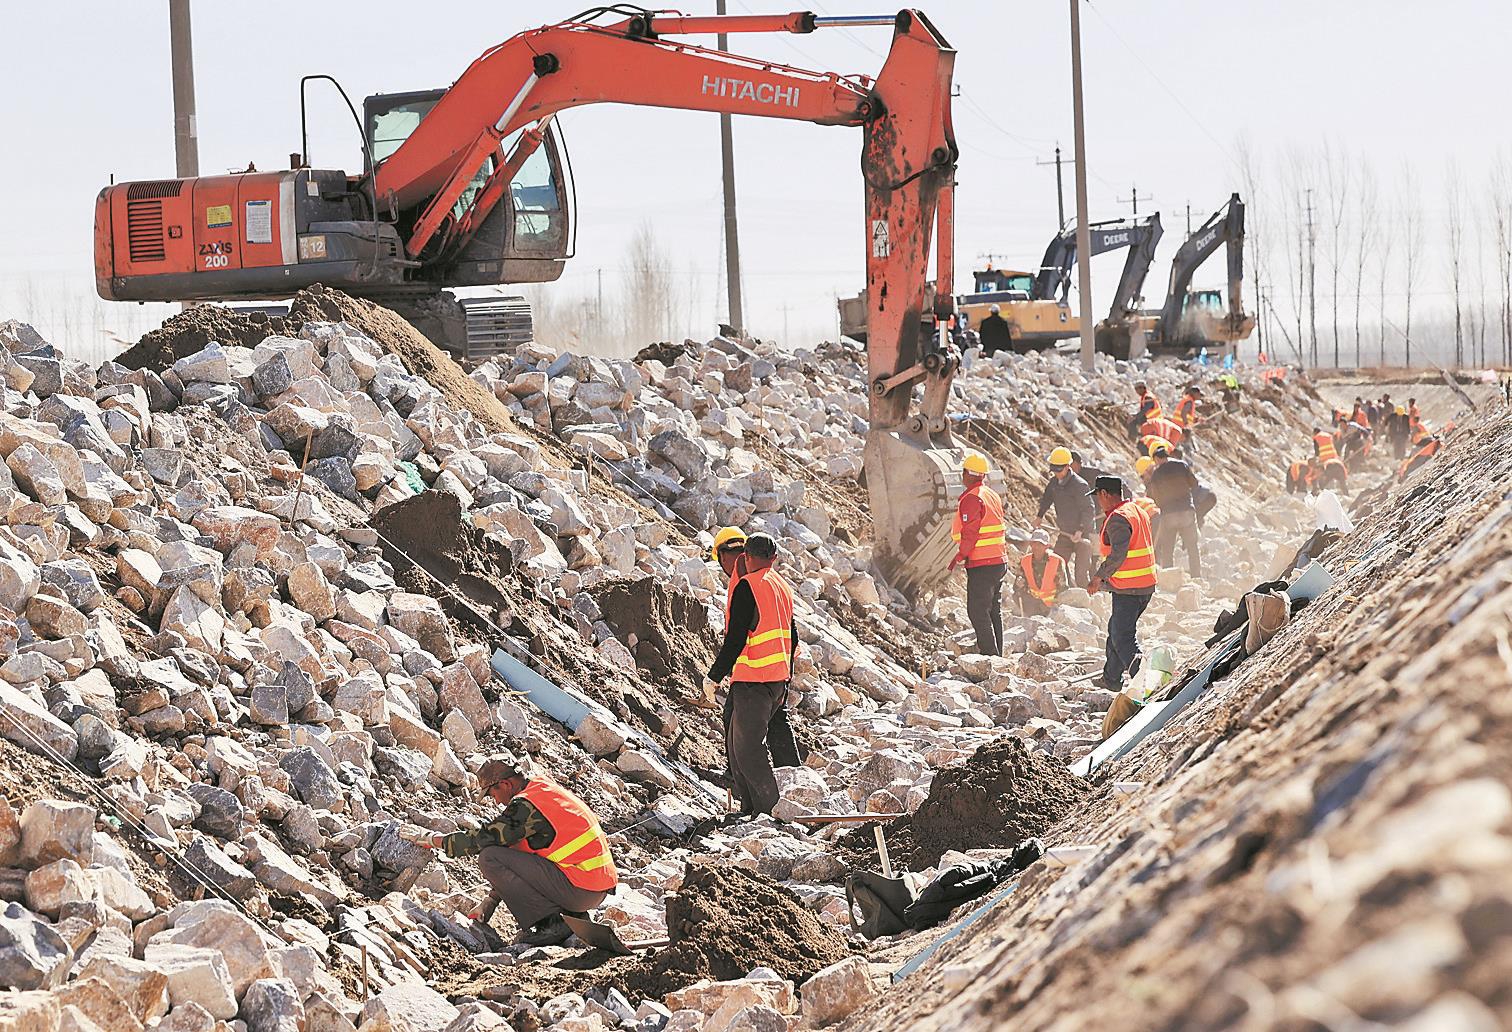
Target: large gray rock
x=32, y=955
x=209, y=859
x=273, y=1005
x=407, y=1008
x=398, y=854
x=220, y=811
x=314, y=782
x=681, y=452
x=29, y=725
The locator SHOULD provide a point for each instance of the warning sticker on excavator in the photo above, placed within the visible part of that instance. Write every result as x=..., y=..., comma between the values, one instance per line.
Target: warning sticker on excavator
x=217, y=216
x=881, y=241
x=259, y=222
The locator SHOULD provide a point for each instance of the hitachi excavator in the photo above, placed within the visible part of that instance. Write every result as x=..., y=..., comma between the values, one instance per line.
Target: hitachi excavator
x=465, y=186
x=1190, y=320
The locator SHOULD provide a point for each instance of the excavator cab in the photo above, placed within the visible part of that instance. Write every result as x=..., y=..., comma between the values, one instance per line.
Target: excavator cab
x=527, y=237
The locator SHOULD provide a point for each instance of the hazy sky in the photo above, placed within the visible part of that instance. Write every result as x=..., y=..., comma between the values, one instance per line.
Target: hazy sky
x=1172, y=87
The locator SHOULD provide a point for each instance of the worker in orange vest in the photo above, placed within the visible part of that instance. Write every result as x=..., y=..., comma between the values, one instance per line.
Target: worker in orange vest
x=1127, y=571
x=758, y=655
x=543, y=856
x=1186, y=416
x=729, y=552
x=1428, y=447
x=980, y=535
x=1301, y=476
x=1147, y=409
x=1325, y=445
x=1041, y=576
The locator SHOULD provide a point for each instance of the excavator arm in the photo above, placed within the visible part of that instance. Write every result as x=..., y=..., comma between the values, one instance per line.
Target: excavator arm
x=1225, y=227
x=1053, y=281
x=1139, y=235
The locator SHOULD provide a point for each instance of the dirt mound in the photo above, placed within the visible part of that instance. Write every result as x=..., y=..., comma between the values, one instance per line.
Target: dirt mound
x=664, y=352
x=191, y=330
x=723, y=922
x=428, y=529
x=1001, y=796
x=668, y=631
x=396, y=336
x=188, y=332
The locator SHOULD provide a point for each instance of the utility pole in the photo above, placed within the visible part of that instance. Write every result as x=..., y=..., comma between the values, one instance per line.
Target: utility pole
x=185, y=133
x=1083, y=230
x=731, y=229
x=1134, y=198
x=1189, y=218
x=1060, y=196
x=1312, y=281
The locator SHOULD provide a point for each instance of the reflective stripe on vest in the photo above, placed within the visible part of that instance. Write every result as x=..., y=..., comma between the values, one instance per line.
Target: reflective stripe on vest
x=1138, y=568
x=1164, y=428
x=1045, y=590
x=1147, y=503
x=1149, y=442
x=768, y=652
x=1325, y=443
x=1153, y=410
x=1186, y=411
x=579, y=848
x=992, y=541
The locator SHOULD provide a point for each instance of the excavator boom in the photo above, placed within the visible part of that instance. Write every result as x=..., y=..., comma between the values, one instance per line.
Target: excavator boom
x=426, y=215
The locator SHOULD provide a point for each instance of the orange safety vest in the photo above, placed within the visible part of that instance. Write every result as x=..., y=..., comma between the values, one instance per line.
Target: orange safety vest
x=1325, y=442
x=1362, y=417
x=579, y=848
x=1169, y=429
x=992, y=540
x=1186, y=411
x=1427, y=451
x=1147, y=503
x=1138, y=569
x=768, y=652
x=1046, y=590
x=1153, y=412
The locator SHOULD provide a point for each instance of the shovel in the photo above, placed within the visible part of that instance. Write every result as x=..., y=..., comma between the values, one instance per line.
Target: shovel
x=604, y=937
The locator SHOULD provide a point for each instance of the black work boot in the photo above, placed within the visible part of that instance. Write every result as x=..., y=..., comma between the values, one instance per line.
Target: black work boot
x=551, y=932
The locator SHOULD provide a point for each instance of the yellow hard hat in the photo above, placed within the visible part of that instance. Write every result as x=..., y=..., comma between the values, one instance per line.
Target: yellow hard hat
x=1060, y=457
x=1142, y=464
x=975, y=462
x=1401, y=410
x=725, y=536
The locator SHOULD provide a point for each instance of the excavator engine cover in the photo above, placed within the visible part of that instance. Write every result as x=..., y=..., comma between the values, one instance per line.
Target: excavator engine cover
x=914, y=490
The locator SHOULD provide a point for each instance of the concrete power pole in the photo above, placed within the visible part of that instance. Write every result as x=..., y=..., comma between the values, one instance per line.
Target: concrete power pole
x=185, y=133
x=1060, y=194
x=1083, y=230
x=731, y=228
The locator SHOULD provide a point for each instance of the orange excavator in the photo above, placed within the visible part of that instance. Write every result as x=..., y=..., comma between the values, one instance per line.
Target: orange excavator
x=468, y=186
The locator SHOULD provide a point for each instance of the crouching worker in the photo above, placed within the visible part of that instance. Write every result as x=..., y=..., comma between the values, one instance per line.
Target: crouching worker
x=543, y=856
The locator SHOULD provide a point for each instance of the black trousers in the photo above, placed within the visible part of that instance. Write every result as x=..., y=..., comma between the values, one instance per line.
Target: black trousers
x=748, y=711
x=1123, y=637
x=984, y=606
x=1078, y=553
x=1182, y=524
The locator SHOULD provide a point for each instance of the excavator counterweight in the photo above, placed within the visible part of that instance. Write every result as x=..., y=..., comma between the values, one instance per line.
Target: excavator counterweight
x=466, y=186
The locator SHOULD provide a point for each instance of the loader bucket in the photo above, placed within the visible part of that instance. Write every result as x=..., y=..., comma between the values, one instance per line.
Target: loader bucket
x=914, y=490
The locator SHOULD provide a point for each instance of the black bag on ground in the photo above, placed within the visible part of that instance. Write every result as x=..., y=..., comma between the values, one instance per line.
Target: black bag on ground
x=881, y=901
x=966, y=882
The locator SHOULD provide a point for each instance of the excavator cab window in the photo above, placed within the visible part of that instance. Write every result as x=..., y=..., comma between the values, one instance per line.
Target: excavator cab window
x=1208, y=300
x=994, y=280
x=538, y=198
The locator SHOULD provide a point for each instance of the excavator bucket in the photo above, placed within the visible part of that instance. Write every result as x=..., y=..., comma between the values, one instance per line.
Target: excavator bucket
x=914, y=490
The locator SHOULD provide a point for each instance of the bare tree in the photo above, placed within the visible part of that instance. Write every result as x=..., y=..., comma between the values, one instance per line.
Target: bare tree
x=1412, y=245
x=1383, y=256
x=1453, y=189
x=1501, y=212
x=1365, y=233
x=1336, y=176
x=648, y=290
x=1258, y=230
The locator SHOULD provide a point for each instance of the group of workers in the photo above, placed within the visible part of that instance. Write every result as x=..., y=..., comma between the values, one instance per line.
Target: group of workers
x=1351, y=439
x=1136, y=529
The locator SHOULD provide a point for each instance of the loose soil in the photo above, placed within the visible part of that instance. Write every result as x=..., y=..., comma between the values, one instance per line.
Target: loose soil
x=723, y=922
x=395, y=335
x=1001, y=796
x=188, y=332
x=668, y=631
